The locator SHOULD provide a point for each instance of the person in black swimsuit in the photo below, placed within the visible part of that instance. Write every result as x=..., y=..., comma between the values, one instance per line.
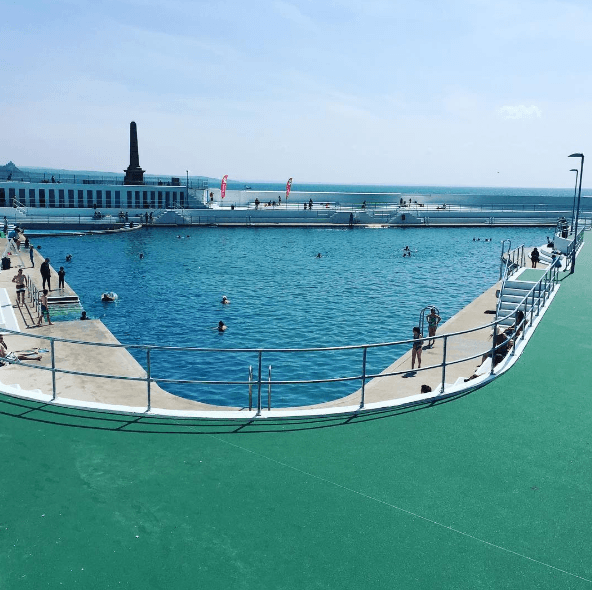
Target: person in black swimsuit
x=417, y=348
x=534, y=257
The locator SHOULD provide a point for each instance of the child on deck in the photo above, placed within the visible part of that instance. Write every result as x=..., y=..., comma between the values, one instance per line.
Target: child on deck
x=44, y=308
x=61, y=275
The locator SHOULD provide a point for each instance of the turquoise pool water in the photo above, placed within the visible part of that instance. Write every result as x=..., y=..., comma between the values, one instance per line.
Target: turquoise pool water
x=360, y=291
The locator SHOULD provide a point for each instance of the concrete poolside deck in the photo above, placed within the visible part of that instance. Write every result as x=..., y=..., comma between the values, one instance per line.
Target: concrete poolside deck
x=77, y=357
x=489, y=490
x=409, y=383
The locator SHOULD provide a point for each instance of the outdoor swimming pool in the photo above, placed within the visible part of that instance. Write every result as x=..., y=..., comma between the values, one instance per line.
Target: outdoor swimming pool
x=360, y=291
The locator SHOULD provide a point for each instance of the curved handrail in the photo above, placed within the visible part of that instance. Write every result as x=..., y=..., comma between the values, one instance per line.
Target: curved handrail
x=544, y=286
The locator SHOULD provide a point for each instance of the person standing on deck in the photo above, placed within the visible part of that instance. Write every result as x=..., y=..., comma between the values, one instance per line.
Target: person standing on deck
x=433, y=320
x=44, y=308
x=46, y=274
x=61, y=275
x=31, y=256
x=534, y=257
x=20, y=279
x=417, y=348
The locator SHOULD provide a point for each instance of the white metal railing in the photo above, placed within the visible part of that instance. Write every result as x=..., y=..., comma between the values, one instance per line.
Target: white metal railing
x=530, y=305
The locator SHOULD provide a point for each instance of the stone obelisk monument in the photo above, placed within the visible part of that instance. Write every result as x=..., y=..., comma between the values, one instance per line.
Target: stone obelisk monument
x=134, y=174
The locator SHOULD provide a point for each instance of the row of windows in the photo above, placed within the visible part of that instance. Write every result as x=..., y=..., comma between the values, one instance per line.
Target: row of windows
x=88, y=198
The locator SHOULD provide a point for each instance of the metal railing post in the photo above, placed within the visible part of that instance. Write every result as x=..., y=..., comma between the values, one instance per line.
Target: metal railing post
x=493, y=345
x=269, y=390
x=53, y=379
x=444, y=363
x=250, y=387
x=532, y=308
x=259, y=387
x=148, y=380
x=363, y=400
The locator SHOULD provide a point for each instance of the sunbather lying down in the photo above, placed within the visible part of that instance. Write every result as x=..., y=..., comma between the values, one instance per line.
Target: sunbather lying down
x=19, y=355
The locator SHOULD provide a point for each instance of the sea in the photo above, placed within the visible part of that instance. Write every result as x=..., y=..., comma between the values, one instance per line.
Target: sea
x=489, y=193
x=283, y=295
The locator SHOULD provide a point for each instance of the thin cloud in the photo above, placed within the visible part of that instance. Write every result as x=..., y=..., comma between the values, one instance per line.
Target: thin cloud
x=293, y=14
x=520, y=112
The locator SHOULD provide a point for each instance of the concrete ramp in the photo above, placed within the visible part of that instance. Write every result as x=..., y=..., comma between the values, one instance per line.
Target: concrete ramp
x=8, y=319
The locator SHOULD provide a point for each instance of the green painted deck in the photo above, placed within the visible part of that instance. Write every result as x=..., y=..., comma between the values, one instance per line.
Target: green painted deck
x=488, y=490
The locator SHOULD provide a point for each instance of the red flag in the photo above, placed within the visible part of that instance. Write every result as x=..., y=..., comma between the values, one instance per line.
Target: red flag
x=288, y=188
x=223, y=186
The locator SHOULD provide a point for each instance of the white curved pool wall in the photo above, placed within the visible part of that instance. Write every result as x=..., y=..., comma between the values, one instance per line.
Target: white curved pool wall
x=449, y=390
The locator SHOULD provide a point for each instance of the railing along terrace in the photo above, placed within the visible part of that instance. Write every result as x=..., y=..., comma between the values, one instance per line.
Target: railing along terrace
x=576, y=243
x=256, y=383
x=116, y=179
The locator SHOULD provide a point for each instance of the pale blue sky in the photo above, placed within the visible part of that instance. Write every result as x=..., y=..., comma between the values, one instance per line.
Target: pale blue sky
x=451, y=92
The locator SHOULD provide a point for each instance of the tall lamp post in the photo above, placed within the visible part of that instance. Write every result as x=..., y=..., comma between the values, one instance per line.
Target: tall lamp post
x=573, y=254
x=187, y=188
x=573, y=209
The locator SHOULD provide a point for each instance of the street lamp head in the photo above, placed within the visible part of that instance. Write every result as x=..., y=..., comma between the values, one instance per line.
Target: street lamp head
x=573, y=170
x=576, y=156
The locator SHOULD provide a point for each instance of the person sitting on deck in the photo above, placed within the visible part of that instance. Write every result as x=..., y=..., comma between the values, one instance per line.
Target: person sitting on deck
x=501, y=343
x=516, y=329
